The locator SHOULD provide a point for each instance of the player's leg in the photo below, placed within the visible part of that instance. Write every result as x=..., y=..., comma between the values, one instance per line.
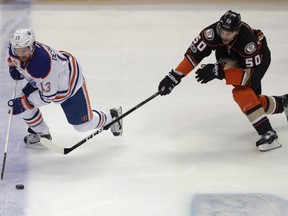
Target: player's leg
x=37, y=127
x=271, y=104
x=275, y=104
x=253, y=107
x=285, y=104
x=79, y=114
x=250, y=105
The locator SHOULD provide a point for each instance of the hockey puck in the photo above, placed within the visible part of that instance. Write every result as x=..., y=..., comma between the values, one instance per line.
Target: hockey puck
x=19, y=186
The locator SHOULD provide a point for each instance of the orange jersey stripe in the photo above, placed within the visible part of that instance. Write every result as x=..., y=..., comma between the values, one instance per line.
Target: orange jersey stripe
x=185, y=66
x=72, y=82
x=88, y=100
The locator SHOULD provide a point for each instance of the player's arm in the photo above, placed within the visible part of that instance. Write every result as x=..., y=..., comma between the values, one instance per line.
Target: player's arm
x=238, y=76
x=242, y=75
x=199, y=49
x=233, y=76
x=14, y=73
x=46, y=92
x=44, y=71
x=32, y=97
x=44, y=83
x=250, y=57
x=241, y=71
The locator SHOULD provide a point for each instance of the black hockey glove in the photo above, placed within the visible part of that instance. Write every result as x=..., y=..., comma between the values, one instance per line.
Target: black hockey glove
x=15, y=74
x=209, y=72
x=169, y=82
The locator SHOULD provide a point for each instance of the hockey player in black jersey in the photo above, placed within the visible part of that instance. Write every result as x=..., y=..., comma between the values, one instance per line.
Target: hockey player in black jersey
x=242, y=59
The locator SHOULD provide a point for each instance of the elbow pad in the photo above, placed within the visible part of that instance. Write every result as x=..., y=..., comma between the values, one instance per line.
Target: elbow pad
x=238, y=76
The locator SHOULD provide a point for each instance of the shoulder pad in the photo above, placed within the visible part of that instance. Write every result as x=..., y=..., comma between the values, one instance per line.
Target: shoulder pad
x=40, y=65
x=210, y=35
x=247, y=42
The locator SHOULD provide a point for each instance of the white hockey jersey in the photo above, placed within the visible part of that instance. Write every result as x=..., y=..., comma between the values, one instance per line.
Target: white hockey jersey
x=56, y=74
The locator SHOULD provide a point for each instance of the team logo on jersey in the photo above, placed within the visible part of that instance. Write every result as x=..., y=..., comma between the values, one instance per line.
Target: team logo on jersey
x=209, y=34
x=250, y=48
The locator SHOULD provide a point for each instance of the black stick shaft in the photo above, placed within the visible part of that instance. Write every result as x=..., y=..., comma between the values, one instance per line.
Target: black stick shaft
x=67, y=150
x=3, y=165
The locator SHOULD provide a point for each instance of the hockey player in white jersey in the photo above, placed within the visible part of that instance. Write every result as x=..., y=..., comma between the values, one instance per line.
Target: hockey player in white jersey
x=53, y=76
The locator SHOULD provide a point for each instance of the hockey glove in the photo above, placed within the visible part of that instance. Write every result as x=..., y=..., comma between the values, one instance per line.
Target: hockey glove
x=209, y=72
x=19, y=105
x=169, y=82
x=15, y=74
x=28, y=89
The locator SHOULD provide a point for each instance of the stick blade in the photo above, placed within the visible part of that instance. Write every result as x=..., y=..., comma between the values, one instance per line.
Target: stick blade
x=52, y=146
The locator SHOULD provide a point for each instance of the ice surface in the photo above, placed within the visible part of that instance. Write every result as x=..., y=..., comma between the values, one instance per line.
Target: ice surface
x=190, y=153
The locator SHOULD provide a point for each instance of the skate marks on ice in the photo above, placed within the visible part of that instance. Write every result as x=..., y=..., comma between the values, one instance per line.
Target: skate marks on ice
x=246, y=204
x=11, y=203
x=14, y=14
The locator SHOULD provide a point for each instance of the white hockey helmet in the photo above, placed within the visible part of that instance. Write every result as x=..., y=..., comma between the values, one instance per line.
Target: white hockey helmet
x=23, y=38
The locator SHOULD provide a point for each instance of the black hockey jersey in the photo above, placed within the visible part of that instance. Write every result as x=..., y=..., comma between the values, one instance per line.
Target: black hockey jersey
x=245, y=51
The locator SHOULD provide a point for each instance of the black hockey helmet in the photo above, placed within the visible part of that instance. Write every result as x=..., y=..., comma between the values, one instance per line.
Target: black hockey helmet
x=230, y=21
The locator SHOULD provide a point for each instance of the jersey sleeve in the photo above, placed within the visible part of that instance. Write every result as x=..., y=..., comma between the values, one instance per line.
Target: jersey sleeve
x=40, y=66
x=201, y=47
x=238, y=76
x=47, y=90
x=40, y=69
x=37, y=99
x=251, y=47
x=185, y=66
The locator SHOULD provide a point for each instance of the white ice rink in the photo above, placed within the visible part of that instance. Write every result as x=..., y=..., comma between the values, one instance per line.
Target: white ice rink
x=191, y=153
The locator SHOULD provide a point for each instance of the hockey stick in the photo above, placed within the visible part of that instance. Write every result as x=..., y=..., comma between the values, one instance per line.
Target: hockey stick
x=8, y=134
x=52, y=146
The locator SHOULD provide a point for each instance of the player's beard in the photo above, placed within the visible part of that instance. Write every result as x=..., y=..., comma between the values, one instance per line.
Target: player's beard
x=24, y=58
x=226, y=42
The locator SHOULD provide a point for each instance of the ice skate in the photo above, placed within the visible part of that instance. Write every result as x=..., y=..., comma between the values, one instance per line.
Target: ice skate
x=117, y=127
x=34, y=138
x=285, y=104
x=268, y=141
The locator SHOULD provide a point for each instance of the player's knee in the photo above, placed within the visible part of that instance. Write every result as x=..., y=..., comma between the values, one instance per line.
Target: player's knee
x=245, y=97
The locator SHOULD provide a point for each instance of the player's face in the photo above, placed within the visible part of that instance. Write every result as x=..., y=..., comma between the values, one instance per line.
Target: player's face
x=227, y=36
x=23, y=53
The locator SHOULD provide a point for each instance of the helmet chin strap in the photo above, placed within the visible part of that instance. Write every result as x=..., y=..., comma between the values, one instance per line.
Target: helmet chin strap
x=32, y=48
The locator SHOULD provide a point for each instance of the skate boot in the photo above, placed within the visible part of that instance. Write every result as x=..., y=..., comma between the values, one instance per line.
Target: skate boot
x=285, y=104
x=117, y=127
x=33, y=137
x=268, y=141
